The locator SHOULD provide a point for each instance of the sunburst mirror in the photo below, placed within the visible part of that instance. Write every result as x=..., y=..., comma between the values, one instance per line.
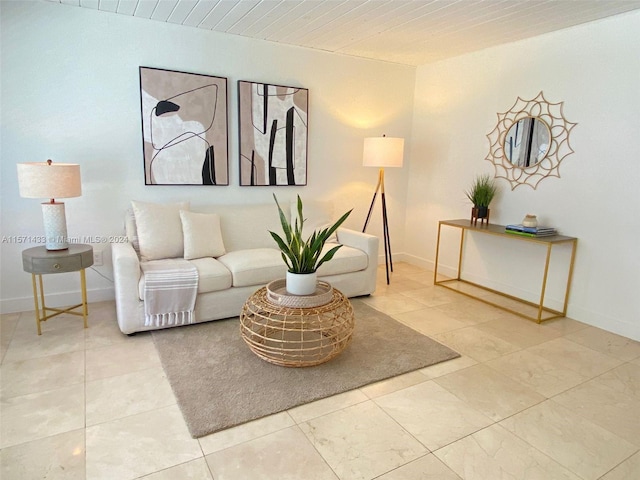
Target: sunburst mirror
x=530, y=141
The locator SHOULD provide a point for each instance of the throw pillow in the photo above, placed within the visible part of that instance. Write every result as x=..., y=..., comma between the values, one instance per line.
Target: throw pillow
x=202, y=235
x=159, y=229
x=131, y=230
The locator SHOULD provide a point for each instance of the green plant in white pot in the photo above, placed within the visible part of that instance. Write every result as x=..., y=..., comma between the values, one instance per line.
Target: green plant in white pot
x=303, y=256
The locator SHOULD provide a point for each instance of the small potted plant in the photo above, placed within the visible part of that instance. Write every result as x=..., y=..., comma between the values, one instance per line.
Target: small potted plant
x=303, y=256
x=482, y=191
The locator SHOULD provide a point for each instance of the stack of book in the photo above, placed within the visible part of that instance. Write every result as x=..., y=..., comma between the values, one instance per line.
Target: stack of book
x=530, y=231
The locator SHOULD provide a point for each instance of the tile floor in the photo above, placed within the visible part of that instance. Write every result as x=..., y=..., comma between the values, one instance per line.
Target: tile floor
x=554, y=401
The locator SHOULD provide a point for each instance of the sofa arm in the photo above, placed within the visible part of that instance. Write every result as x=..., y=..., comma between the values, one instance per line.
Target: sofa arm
x=362, y=241
x=126, y=276
x=368, y=244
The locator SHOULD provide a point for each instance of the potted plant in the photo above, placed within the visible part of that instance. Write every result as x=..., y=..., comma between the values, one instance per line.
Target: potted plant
x=482, y=191
x=303, y=256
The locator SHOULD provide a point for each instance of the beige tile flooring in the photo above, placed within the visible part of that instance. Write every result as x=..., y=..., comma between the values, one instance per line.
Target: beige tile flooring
x=559, y=400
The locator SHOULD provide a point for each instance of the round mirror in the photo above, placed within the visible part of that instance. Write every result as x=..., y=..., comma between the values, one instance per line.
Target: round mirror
x=527, y=142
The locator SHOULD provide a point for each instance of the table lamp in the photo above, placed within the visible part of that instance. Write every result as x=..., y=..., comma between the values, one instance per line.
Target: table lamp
x=51, y=180
x=382, y=152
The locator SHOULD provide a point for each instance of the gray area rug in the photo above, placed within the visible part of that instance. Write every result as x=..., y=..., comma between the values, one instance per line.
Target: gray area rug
x=220, y=383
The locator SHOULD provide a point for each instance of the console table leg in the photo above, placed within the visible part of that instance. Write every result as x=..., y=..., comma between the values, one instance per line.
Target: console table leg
x=435, y=266
x=460, y=254
x=544, y=283
x=574, y=244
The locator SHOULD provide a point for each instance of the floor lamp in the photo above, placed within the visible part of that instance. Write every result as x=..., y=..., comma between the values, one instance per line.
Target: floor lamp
x=382, y=152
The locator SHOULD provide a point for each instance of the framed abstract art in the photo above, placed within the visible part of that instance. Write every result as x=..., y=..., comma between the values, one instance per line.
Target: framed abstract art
x=184, y=128
x=273, y=134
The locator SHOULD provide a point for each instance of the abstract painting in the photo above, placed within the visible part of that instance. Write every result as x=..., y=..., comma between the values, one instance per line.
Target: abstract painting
x=184, y=128
x=273, y=134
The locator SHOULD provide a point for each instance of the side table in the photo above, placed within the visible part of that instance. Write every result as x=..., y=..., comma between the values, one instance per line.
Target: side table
x=39, y=261
x=296, y=337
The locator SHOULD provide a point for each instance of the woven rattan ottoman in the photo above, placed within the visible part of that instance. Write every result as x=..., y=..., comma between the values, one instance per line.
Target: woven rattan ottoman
x=296, y=336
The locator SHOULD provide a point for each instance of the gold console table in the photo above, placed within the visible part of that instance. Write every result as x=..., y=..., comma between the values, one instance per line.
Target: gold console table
x=499, y=230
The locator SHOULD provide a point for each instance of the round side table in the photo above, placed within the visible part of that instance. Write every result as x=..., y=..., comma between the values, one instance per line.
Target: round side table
x=39, y=261
x=296, y=337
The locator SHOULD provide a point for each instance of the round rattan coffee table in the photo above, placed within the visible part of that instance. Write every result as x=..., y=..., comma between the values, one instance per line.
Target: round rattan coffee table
x=296, y=336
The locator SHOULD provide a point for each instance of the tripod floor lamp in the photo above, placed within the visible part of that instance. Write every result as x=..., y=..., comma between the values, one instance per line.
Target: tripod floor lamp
x=382, y=152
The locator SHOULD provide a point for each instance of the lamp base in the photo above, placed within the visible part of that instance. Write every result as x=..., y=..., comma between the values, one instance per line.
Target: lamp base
x=55, y=226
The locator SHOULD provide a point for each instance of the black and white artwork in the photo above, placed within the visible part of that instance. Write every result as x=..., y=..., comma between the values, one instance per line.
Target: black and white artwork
x=273, y=134
x=184, y=128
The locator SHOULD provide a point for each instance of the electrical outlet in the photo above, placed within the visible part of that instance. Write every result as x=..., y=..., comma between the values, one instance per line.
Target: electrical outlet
x=97, y=258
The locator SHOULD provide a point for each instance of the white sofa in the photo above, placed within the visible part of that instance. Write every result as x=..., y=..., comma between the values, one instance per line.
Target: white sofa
x=247, y=260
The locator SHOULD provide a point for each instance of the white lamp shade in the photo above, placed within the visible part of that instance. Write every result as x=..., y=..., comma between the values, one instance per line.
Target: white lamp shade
x=383, y=152
x=44, y=180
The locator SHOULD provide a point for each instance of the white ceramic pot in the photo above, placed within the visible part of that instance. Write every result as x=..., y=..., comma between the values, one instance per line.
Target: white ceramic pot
x=302, y=283
x=530, y=220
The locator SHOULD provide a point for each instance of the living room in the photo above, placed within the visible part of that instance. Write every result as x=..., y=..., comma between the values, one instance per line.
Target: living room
x=82, y=69
x=70, y=92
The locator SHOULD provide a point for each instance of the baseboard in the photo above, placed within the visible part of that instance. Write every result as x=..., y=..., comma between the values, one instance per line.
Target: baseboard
x=595, y=319
x=605, y=322
x=575, y=312
x=445, y=270
x=450, y=271
x=408, y=258
x=417, y=261
x=527, y=295
x=25, y=304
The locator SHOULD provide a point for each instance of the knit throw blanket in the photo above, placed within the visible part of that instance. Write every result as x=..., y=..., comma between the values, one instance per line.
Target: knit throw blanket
x=170, y=289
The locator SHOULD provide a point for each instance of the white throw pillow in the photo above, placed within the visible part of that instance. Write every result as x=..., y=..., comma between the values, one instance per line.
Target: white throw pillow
x=202, y=235
x=131, y=230
x=159, y=229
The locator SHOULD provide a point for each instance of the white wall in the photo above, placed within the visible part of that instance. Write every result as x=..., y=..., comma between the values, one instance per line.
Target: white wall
x=595, y=70
x=70, y=92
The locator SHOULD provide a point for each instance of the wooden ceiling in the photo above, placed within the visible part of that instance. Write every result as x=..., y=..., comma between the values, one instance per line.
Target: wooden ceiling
x=411, y=32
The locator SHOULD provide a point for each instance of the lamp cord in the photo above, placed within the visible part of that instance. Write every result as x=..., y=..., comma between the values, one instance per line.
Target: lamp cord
x=102, y=275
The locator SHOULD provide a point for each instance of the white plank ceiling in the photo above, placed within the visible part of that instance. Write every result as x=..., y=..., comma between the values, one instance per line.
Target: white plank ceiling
x=411, y=32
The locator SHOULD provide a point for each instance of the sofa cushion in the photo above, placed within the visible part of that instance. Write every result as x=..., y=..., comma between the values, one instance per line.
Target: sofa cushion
x=159, y=229
x=212, y=276
x=346, y=259
x=202, y=235
x=257, y=266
